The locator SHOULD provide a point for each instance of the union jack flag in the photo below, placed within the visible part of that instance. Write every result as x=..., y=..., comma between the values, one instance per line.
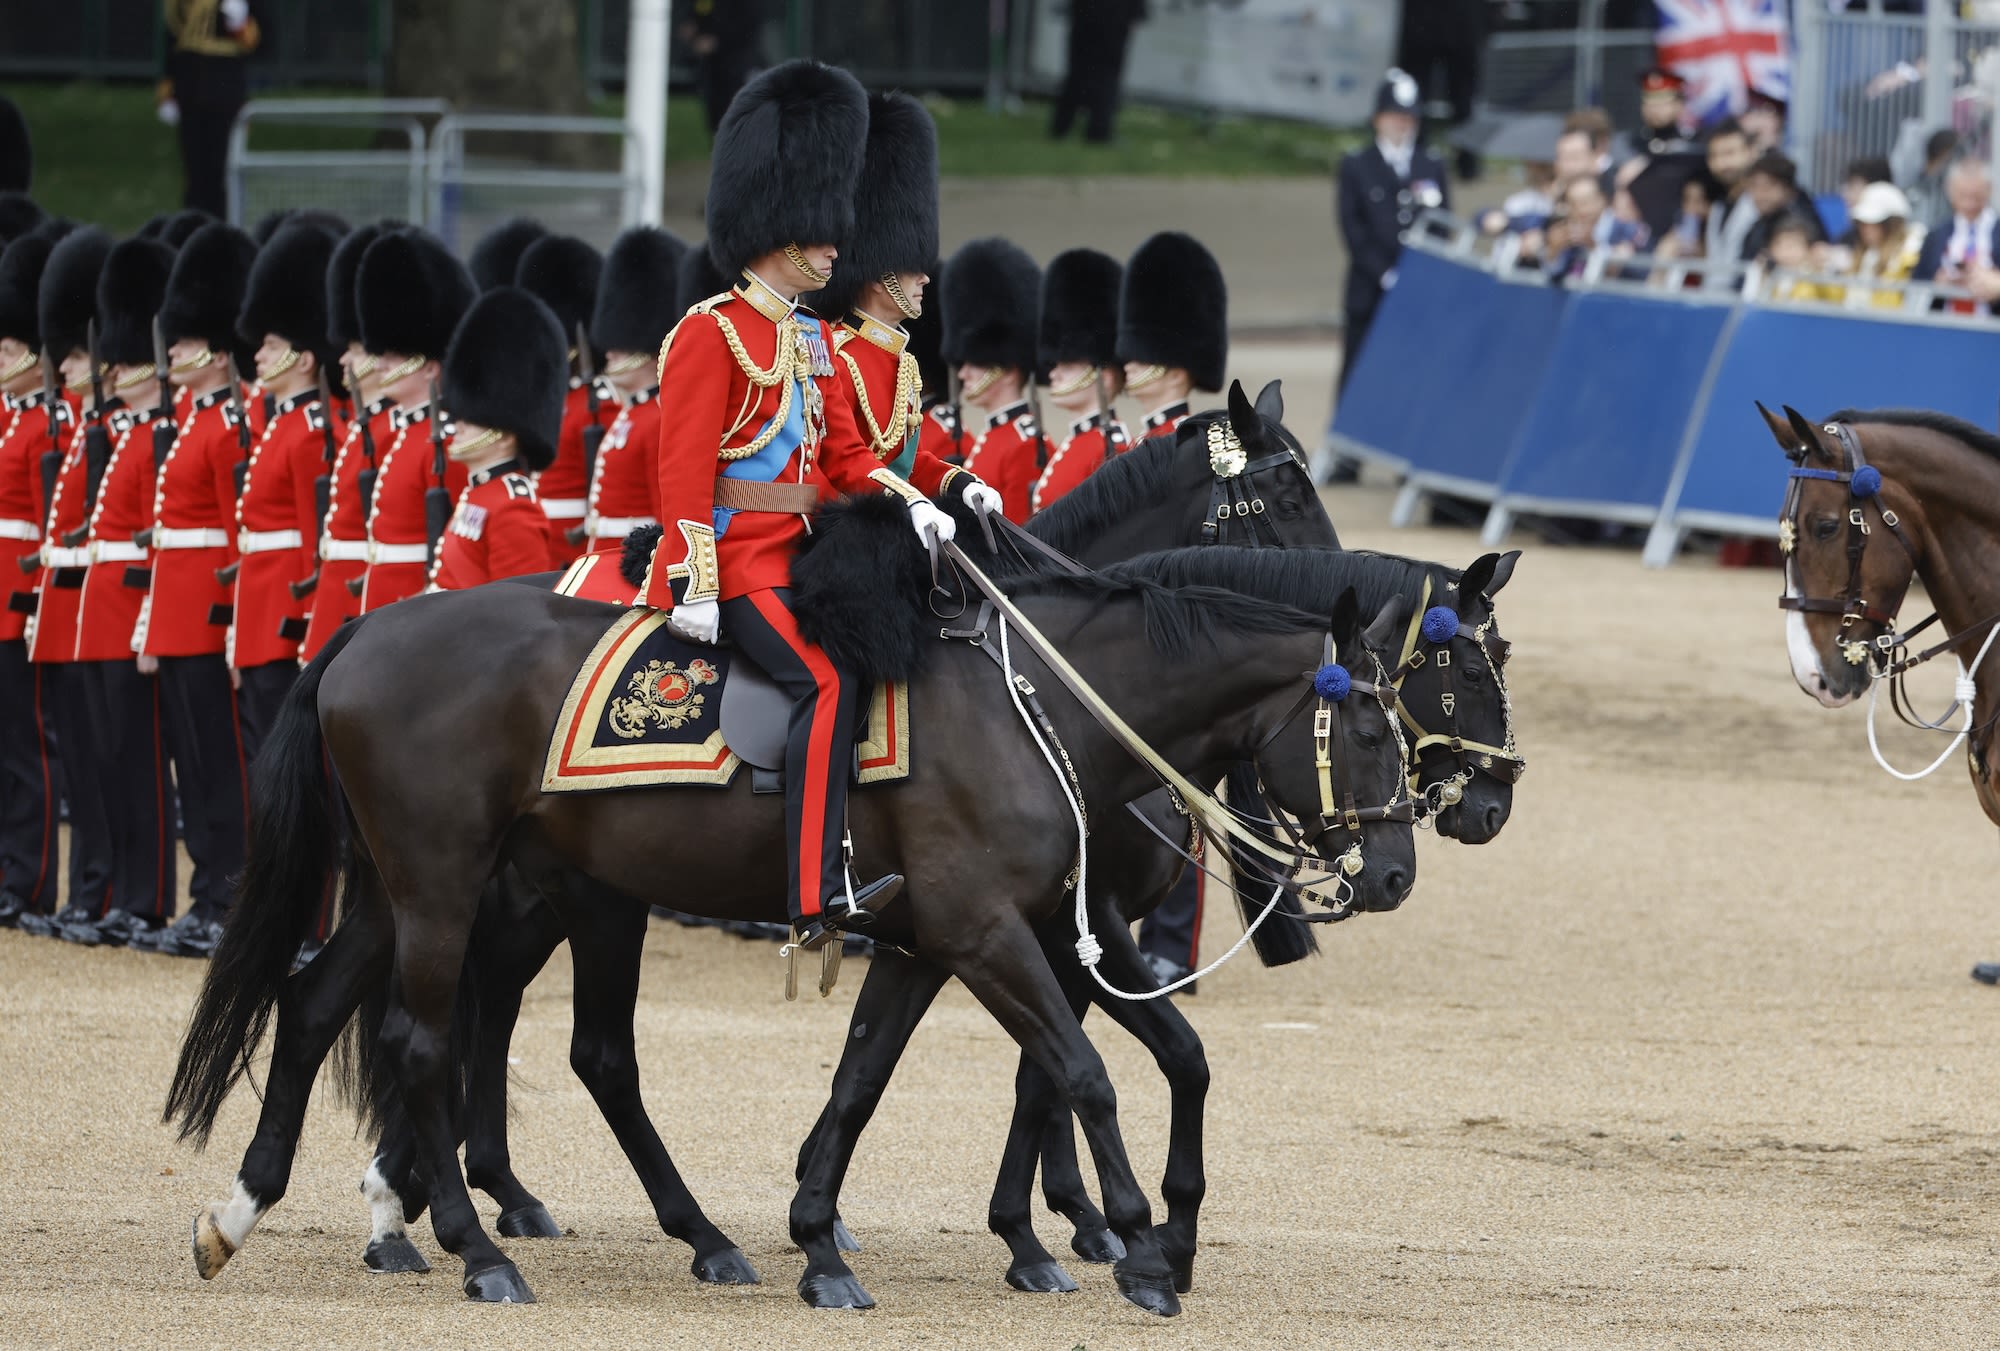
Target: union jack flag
x=1726, y=50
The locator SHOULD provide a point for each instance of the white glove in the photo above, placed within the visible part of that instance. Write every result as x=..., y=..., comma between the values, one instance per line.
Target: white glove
x=235, y=13
x=698, y=621
x=169, y=112
x=926, y=517
x=981, y=497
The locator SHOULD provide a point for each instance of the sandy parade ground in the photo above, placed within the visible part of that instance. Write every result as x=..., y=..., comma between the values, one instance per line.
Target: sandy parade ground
x=1687, y=1057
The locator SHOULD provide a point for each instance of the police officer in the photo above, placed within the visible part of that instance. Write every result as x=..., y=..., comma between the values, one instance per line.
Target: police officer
x=563, y=273
x=992, y=298
x=505, y=382
x=1382, y=188
x=1079, y=350
x=1173, y=327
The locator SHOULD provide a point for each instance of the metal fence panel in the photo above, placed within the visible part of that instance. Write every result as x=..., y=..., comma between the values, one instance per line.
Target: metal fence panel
x=471, y=191
x=372, y=182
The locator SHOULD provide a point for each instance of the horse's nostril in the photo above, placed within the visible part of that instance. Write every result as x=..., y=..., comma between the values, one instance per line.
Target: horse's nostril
x=1396, y=883
x=1493, y=817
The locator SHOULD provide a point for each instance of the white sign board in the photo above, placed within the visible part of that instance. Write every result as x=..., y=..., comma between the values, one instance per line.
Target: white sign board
x=1314, y=60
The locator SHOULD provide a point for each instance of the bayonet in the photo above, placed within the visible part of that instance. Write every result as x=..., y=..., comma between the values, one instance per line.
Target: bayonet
x=437, y=498
x=96, y=440
x=322, y=485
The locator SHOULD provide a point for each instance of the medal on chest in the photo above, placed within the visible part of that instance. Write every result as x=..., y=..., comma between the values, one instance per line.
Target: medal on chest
x=469, y=522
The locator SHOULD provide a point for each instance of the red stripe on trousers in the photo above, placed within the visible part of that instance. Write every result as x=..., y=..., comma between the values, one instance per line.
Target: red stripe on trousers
x=819, y=747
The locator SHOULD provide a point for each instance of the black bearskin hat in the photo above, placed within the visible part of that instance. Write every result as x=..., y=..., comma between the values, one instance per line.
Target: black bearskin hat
x=206, y=289
x=343, y=324
x=273, y=221
x=1173, y=310
x=895, y=203
x=927, y=333
x=177, y=228
x=129, y=292
x=410, y=293
x=991, y=292
x=17, y=149
x=18, y=215
x=508, y=368
x=1080, y=309
x=562, y=272
x=698, y=280
x=286, y=293
x=497, y=256
x=67, y=300
x=636, y=293
x=21, y=265
x=786, y=159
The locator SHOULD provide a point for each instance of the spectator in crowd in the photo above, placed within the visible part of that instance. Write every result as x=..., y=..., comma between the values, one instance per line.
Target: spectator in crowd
x=1961, y=251
x=1927, y=199
x=1887, y=243
x=1099, y=32
x=726, y=37
x=1527, y=208
x=1576, y=157
x=1595, y=124
x=1772, y=188
x=1573, y=231
x=1687, y=238
x=1789, y=252
x=1730, y=219
x=1662, y=118
x=1764, y=120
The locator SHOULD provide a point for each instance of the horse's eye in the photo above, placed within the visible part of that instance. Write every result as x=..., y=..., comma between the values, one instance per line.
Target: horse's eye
x=1369, y=740
x=1825, y=527
x=1289, y=509
x=1474, y=675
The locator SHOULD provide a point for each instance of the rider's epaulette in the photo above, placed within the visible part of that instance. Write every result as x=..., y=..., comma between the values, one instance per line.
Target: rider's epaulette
x=519, y=486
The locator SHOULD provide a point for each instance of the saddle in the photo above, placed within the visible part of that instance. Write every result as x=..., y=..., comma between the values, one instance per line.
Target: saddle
x=648, y=709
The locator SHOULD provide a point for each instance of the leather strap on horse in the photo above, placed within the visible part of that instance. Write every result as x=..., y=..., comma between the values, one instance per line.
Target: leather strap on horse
x=784, y=499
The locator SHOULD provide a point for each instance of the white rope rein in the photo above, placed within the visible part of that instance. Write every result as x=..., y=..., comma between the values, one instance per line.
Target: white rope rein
x=1088, y=950
x=1965, y=689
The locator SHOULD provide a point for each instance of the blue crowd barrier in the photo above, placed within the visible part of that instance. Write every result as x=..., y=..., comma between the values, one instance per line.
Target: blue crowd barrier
x=1606, y=425
x=1732, y=477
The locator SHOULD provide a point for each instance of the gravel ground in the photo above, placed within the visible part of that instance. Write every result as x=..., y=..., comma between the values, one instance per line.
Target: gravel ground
x=1682, y=1059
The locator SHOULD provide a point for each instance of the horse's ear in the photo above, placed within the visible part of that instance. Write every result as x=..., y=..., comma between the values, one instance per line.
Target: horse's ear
x=1502, y=570
x=1781, y=430
x=1242, y=417
x=1388, y=622
x=1477, y=579
x=1808, y=435
x=1346, y=612
x=1271, y=402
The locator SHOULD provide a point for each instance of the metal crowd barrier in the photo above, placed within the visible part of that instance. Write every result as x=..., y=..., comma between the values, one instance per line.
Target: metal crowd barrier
x=362, y=181
x=472, y=192
x=1627, y=395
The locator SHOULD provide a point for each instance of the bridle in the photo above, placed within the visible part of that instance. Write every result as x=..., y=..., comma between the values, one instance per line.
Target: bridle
x=1864, y=487
x=1428, y=642
x=1232, y=493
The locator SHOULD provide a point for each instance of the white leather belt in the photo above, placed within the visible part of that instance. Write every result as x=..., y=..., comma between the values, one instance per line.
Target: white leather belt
x=111, y=551
x=266, y=541
x=617, y=527
x=65, y=558
x=398, y=553
x=563, y=508
x=31, y=532
x=343, y=550
x=196, y=538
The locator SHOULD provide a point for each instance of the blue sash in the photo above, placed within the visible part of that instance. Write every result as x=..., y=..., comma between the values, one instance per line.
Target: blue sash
x=768, y=463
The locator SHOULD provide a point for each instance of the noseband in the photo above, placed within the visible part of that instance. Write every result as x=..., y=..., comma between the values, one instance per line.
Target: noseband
x=1864, y=486
x=1231, y=494
x=1429, y=642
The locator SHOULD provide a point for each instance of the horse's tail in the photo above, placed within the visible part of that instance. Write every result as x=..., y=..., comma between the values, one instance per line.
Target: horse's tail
x=289, y=862
x=1284, y=937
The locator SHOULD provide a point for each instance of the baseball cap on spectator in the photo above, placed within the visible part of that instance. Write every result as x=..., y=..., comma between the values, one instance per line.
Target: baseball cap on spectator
x=1880, y=202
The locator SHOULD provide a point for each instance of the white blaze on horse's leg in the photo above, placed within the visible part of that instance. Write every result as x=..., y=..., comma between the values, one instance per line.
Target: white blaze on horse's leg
x=383, y=1203
x=237, y=1216
x=1805, y=660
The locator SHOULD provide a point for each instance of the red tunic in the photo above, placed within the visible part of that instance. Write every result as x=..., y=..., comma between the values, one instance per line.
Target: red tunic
x=24, y=440
x=944, y=434
x=274, y=534
x=56, y=606
x=497, y=530
x=878, y=378
x=1164, y=421
x=194, y=533
x=343, y=543
x=720, y=414
x=1004, y=456
x=625, y=491
x=1078, y=458
x=399, y=564
x=563, y=487
x=109, y=614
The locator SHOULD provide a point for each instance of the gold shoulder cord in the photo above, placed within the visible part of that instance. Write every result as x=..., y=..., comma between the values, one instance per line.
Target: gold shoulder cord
x=786, y=362
x=887, y=442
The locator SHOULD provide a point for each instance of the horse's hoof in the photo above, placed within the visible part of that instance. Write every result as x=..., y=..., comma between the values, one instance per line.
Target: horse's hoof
x=1154, y=1294
x=394, y=1255
x=1098, y=1245
x=834, y=1292
x=728, y=1267
x=530, y=1221
x=1183, y=1273
x=1041, y=1278
x=212, y=1248
x=498, y=1285
x=842, y=1239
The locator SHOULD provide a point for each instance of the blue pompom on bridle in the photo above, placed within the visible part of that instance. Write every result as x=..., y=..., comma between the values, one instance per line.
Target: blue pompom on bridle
x=1332, y=682
x=1866, y=481
x=1440, y=624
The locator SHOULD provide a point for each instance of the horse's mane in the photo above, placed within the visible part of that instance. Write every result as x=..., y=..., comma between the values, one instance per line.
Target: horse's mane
x=1981, y=440
x=1192, y=596
x=1138, y=478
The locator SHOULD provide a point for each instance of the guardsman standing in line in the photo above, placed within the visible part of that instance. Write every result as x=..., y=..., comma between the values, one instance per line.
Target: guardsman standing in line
x=277, y=515
x=125, y=713
x=992, y=291
x=1173, y=327
x=1173, y=336
x=759, y=435
x=343, y=539
x=33, y=422
x=562, y=272
x=184, y=628
x=1079, y=350
x=496, y=258
x=505, y=377
x=879, y=284
x=65, y=308
x=411, y=293
x=637, y=304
